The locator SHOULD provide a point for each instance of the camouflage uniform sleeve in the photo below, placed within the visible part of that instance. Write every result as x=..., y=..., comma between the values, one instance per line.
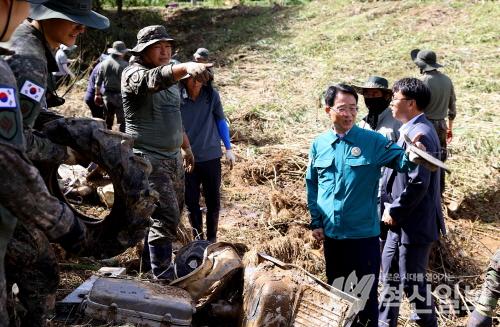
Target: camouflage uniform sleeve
x=31, y=74
x=40, y=148
x=25, y=195
x=11, y=121
x=137, y=79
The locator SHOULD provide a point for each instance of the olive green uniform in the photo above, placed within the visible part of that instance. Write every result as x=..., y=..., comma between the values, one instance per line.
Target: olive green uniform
x=110, y=77
x=151, y=103
x=441, y=106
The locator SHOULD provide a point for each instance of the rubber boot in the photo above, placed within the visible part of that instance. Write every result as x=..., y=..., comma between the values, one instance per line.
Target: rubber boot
x=212, y=225
x=476, y=319
x=161, y=260
x=145, y=260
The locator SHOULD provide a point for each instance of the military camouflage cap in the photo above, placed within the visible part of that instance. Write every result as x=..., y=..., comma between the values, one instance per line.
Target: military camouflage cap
x=201, y=55
x=425, y=59
x=76, y=11
x=150, y=35
x=373, y=82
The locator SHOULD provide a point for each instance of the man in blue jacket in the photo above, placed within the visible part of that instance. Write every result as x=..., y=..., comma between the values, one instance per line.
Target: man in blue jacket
x=205, y=125
x=342, y=185
x=411, y=205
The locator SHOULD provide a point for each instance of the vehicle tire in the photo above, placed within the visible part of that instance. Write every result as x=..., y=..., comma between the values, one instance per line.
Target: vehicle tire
x=127, y=223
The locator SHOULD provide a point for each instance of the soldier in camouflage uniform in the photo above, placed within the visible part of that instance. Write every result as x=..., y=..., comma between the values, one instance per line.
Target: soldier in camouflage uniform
x=11, y=136
x=109, y=77
x=54, y=23
x=151, y=103
x=487, y=302
x=30, y=261
x=23, y=192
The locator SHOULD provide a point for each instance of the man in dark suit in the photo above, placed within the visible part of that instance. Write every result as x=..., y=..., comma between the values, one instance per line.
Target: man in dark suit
x=411, y=206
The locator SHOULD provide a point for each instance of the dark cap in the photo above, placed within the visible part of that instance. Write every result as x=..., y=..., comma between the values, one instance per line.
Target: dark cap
x=373, y=82
x=119, y=48
x=150, y=35
x=76, y=11
x=201, y=55
x=425, y=59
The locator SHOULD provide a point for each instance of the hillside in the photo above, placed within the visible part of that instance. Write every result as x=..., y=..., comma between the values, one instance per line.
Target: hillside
x=273, y=63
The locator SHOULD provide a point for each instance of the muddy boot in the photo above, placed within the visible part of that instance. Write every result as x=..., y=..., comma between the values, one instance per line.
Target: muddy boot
x=145, y=260
x=161, y=260
x=476, y=319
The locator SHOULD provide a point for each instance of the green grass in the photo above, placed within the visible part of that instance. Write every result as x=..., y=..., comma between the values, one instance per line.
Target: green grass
x=324, y=42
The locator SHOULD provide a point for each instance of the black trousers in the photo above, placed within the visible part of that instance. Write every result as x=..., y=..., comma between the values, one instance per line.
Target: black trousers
x=206, y=180
x=113, y=106
x=361, y=257
x=97, y=111
x=404, y=268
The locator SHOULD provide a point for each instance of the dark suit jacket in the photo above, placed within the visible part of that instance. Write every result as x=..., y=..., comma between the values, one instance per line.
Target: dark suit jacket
x=415, y=196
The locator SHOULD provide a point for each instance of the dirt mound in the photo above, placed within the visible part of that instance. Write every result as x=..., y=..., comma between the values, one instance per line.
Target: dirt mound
x=279, y=167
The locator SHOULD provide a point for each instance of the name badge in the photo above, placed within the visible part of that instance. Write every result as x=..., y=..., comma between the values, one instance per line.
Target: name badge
x=356, y=151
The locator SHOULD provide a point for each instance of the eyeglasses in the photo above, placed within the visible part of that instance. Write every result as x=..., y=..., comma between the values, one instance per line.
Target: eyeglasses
x=346, y=109
x=393, y=99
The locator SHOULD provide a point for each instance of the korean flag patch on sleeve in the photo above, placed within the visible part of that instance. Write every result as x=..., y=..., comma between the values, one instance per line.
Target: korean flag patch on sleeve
x=32, y=91
x=7, y=97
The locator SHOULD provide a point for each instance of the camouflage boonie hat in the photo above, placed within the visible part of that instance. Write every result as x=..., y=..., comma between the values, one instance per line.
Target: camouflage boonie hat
x=373, y=82
x=425, y=59
x=76, y=11
x=150, y=35
x=119, y=48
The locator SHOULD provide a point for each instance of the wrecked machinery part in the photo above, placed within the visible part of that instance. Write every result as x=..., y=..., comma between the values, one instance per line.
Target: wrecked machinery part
x=221, y=264
x=134, y=200
x=277, y=294
x=189, y=257
x=124, y=300
x=223, y=309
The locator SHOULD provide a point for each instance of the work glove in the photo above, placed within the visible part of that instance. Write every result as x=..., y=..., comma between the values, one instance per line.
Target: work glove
x=188, y=159
x=75, y=240
x=231, y=159
x=199, y=71
x=72, y=156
